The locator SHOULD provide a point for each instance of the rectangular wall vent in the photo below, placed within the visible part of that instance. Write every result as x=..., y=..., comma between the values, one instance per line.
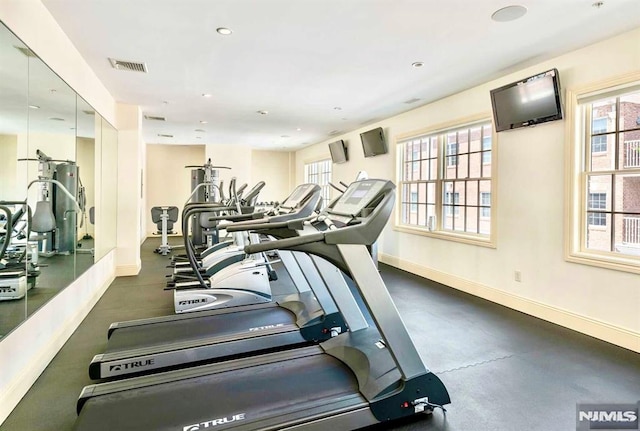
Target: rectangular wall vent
x=154, y=118
x=26, y=51
x=128, y=65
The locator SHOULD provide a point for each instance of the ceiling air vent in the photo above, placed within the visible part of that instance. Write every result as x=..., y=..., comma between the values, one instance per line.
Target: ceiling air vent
x=165, y=136
x=131, y=66
x=335, y=132
x=410, y=101
x=26, y=51
x=154, y=118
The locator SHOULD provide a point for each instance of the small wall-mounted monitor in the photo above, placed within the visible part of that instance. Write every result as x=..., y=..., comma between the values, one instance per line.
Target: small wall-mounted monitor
x=338, y=152
x=531, y=101
x=373, y=142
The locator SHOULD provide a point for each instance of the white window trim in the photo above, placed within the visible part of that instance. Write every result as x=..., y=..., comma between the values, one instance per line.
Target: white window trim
x=575, y=149
x=462, y=237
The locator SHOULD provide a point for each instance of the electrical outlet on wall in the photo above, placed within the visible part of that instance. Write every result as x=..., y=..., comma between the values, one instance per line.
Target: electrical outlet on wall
x=517, y=275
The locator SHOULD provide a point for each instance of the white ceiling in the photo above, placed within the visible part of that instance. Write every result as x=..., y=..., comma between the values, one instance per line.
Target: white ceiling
x=301, y=59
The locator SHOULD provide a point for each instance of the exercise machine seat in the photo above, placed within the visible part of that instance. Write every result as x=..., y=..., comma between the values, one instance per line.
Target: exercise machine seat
x=172, y=217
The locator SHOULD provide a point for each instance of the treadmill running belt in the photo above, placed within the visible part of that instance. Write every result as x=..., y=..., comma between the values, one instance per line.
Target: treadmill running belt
x=194, y=329
x=267, y=390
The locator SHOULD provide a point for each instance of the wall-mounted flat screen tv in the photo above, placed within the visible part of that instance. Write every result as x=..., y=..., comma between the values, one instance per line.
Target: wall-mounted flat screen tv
x=531, y=101
x=338, y=152
x=373, y=142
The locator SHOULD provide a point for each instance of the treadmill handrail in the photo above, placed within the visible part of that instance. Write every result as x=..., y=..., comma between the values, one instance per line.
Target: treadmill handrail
x=284, y=243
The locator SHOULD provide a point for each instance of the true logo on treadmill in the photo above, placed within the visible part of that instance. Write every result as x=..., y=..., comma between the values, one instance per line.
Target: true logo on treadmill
x=213, y=422
x=131, y=365
x=260, y=328
x=7, y=289
x=192, y=301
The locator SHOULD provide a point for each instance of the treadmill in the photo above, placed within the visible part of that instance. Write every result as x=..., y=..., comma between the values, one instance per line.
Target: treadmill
x=368, y=375
x=168, y=342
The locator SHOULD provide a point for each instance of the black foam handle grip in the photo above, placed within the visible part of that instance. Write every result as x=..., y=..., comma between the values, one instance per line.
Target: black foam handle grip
x=284, y=243
x=254, y=226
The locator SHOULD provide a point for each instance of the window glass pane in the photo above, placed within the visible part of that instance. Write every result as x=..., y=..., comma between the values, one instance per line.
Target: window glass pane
x=629, y=153
x=605, y=109
x=472, y=220
x=475, y=165
x=422, y=193
x=599, y=190
x=460, y=193
x=476, y=139
x=472, y=193
x=459, y=218
x=630, y=111
x=433, y=169
x=598, y=231
x=463, y=141
x=627, y=193
x=463, y=166
x=486, y=162
x=602, y=152
x=431, y=193
x=628, y=233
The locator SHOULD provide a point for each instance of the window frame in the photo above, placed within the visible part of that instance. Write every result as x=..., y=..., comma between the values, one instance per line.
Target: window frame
x=437, y=230
x=577, y=152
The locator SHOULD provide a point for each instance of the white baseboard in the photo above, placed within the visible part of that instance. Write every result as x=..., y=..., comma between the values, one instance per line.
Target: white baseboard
x=128, y=270
x=595, y=328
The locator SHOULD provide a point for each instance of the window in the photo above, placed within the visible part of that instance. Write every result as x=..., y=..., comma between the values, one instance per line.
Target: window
x=445, y=182
x=605, y=213
x=320, y=173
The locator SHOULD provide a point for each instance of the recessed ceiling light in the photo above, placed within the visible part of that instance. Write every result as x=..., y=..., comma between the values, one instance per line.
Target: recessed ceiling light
x=206, y=95
x=298, y=129
x=34, y=107
x=262, y=112
x=224, y=31
x=509, y=13
x=417, y=64
x=203, y=122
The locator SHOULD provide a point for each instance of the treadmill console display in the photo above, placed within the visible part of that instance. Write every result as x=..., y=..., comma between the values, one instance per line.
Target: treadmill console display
x=298, y=195
x=357, y=197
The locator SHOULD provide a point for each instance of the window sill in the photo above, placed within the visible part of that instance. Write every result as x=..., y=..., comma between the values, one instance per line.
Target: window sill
x=606, y=260
x=476, y=240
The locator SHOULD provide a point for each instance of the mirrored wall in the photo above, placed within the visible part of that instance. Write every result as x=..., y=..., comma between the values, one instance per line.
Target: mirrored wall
x=58, y=173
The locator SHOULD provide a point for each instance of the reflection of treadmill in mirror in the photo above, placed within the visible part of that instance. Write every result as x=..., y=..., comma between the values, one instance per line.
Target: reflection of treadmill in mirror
x=358, y=378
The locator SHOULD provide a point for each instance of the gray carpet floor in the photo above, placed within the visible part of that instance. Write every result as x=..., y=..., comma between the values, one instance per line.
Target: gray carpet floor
x=504, y=370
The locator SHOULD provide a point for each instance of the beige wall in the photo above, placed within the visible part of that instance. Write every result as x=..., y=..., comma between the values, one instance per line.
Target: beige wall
x=168, y=182
x=530, y=209
x=8, y=181
x=272, y=167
